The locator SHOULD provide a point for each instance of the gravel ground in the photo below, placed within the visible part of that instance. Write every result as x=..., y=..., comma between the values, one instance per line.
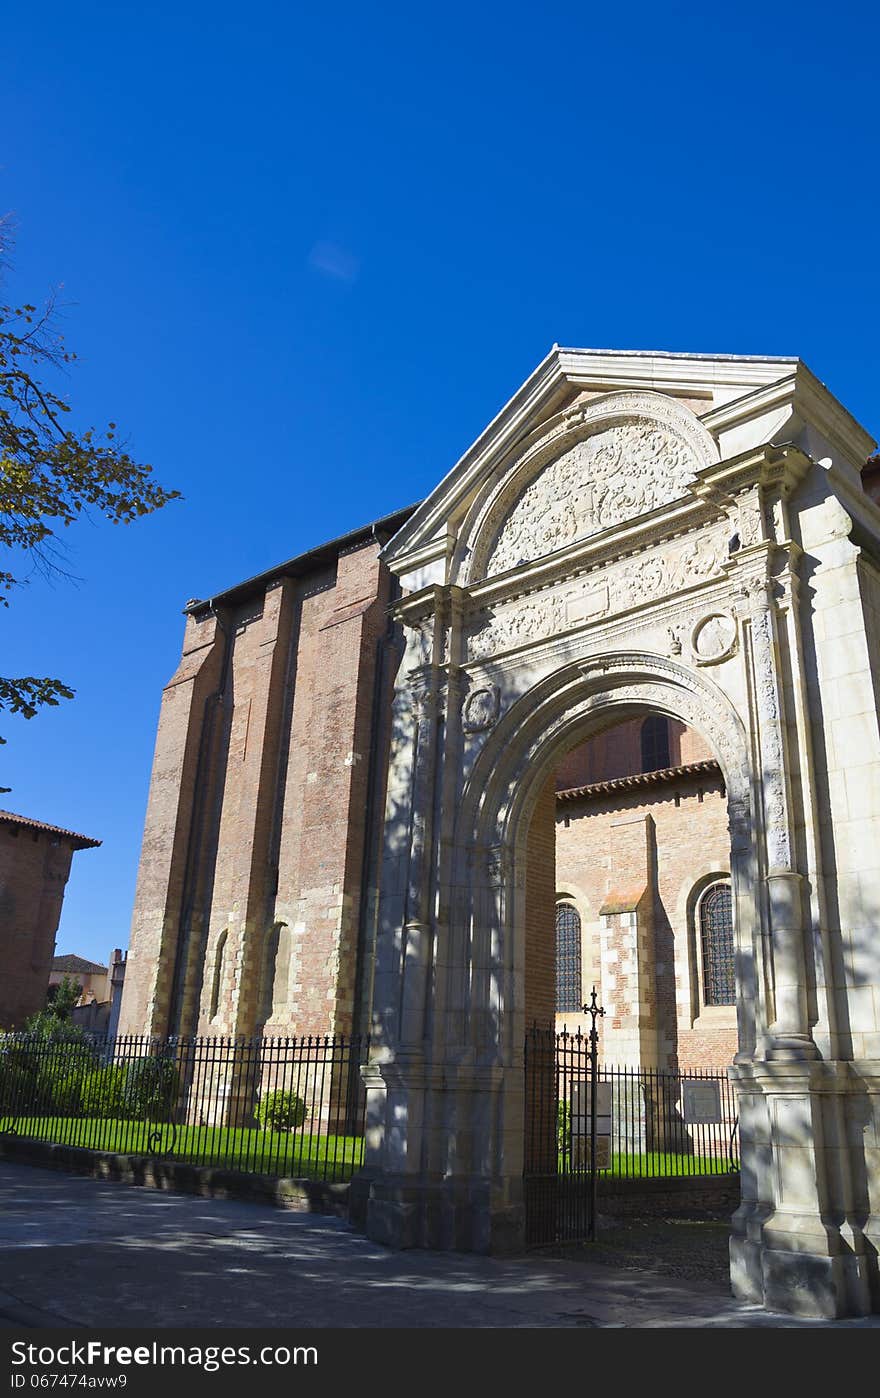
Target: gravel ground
x=693, y=1250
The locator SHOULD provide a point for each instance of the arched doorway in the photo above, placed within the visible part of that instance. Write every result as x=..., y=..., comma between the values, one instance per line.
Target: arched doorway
x=617, y=897
x=453, y=1087
x=640, y=817
x=607, y=555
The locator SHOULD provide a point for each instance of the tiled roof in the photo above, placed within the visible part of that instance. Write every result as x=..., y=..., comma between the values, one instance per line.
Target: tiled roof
x=78, y=966
x=78, y=841
x=666, y=774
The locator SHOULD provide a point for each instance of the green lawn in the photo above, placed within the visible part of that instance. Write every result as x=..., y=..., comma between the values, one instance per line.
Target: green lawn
x=296, y=1153
x=277, y=1153
x=655, y=1164
x=668, y=1163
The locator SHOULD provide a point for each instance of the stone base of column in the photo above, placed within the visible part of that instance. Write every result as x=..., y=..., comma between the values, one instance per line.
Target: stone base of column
x=800, y=1239
x=460, y=1215
x=795, y=1281
x=791, y=1048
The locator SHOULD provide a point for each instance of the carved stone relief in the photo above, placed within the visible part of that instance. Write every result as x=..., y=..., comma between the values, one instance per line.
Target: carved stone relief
x=750, y=520
x=671, y=689
x=713, y=639
x=658, y=573
x=480, y=709
x=770, y=725
x=607, y=478
x=497, y=865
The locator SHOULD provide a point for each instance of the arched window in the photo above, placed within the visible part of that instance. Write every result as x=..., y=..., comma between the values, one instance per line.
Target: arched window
x=569, y=998
x=716, y=945
x=269, y=979
x=655, y=744
x=216, y=984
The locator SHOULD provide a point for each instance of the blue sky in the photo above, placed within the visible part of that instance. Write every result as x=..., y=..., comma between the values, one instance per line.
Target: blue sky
x=306, y=253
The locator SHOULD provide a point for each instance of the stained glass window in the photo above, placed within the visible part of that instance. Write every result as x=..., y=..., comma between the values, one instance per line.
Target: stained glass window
x=716, y=937
x=568, y=959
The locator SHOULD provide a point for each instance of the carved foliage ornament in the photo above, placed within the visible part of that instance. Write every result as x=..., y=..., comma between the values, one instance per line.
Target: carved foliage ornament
x=614, y=475
x=770, y=724
x=651, y=576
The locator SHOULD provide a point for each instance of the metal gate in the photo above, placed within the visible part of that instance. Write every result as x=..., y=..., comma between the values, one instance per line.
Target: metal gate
x=565, y=1114
x=625, y=1127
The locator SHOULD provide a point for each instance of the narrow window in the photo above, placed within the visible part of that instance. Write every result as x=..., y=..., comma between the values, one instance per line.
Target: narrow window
x=568, y=960
x=655, y=744
x=219, y=958
x=716, y=939
x=270, y=969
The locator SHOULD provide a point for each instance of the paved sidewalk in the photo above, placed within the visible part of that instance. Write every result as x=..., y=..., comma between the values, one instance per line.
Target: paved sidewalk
x=77, y=1251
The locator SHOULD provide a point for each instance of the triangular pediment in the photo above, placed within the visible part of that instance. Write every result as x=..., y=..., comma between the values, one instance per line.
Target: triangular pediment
x=593, y=439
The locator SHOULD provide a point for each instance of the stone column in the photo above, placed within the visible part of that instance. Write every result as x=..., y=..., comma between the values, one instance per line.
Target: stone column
x=793, y=1247
x=389, y=1196
x=416, y=930
x=789, y=1031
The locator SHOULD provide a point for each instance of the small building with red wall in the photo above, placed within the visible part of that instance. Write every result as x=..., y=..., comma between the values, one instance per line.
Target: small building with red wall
x=35, y=861
x=643, y=896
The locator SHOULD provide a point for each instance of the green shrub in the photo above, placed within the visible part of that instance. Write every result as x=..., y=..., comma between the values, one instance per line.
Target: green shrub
x=55, y=1065
x=563, y=1126
x=281, y=1111
x=59, y=1094
x=102, y=1092
x=17, y=1086
x=151, y=1089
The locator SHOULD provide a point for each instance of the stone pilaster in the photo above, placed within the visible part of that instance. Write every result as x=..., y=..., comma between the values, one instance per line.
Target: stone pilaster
x=789, y=1033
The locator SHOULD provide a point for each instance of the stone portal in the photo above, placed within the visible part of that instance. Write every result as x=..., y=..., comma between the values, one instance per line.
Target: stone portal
x=640, y=535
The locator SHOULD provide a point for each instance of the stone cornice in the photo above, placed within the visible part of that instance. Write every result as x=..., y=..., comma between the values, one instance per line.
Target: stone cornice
x=693, y=375
x=782, y=465
x=827, y=413
x=420, y=606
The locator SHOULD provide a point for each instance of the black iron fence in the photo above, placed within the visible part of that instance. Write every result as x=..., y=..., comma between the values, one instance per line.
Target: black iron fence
x=276, y=1106
x=646, y=1123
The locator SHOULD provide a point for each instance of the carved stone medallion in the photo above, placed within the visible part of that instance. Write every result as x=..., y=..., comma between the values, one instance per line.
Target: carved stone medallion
x=713, y=638
x=480, y=709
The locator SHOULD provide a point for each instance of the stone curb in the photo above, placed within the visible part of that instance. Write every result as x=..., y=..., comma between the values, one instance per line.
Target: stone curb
x=675, y=1194
x=301, y=1195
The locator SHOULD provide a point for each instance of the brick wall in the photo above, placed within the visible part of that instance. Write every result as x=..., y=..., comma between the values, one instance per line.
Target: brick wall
x=668, y=837
x=618, y=753
x=34, y=868
x=247, y=906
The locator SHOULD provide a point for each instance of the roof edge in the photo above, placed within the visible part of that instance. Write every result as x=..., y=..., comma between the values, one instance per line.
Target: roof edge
x=302, y=563
x=708, y=767
x=78, y=841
